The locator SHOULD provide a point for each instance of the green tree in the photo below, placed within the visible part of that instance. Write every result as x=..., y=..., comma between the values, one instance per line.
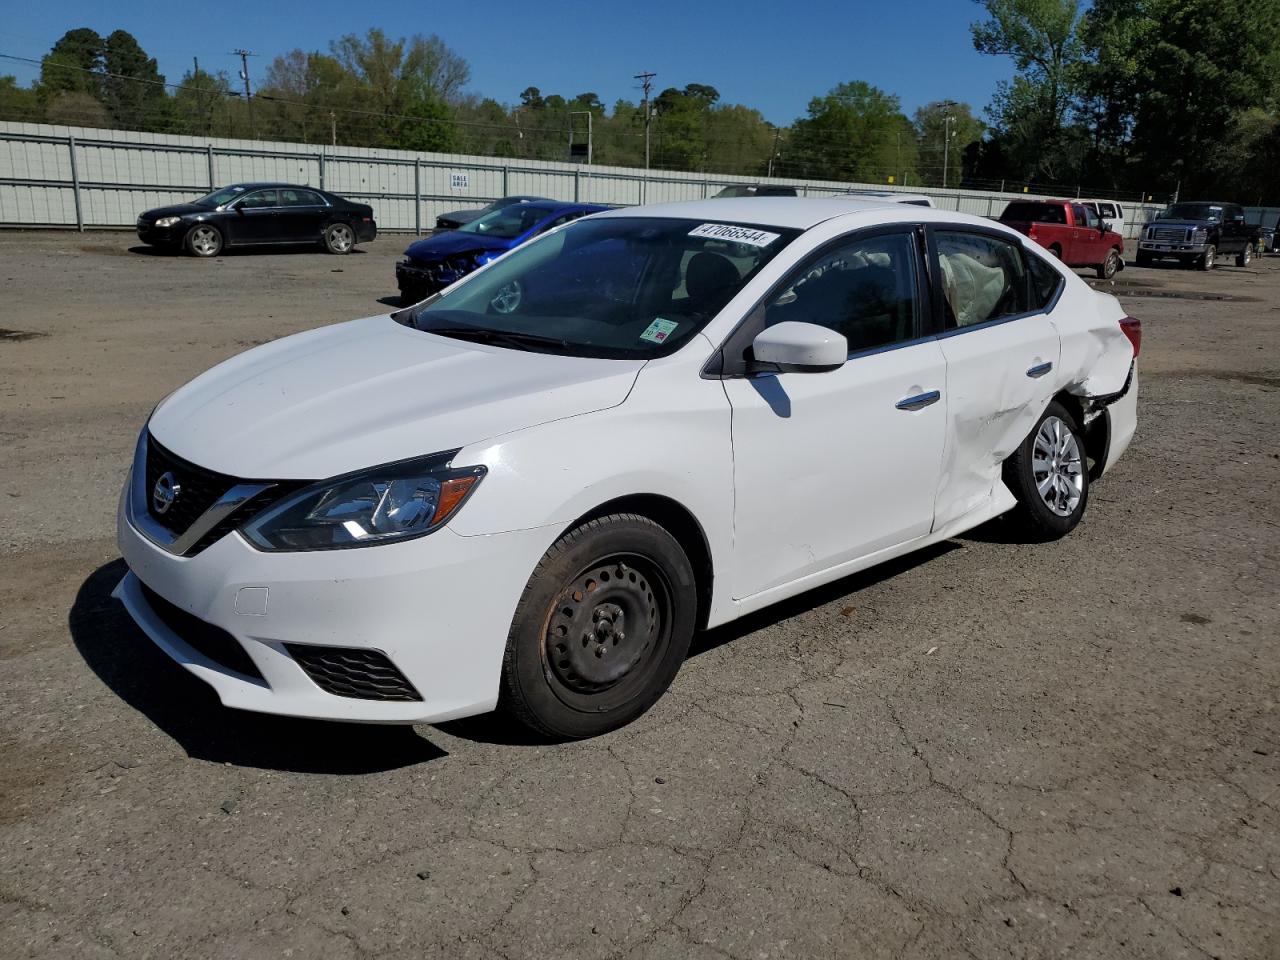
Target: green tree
x=1031, y=113
x=851, y=133
x=18, y=103
x=198, y=102
x=133, y=89
x=1172, y=83
x=73, y=65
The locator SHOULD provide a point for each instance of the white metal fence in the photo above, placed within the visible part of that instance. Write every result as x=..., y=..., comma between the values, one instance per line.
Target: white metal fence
x=53, y=176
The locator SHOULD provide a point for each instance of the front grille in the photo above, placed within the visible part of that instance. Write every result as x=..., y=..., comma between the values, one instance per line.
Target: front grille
x=206, y=639
x=198, y=488
x=357, y=673
x=1177, y=234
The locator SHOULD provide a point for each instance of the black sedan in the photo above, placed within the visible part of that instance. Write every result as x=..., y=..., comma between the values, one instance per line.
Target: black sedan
x=452, y=221
x=259, y=214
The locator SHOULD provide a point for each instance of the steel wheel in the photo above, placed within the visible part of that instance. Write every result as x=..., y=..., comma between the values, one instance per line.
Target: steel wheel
x=1058, y=467
x=340, y=238
x=508, y=297
x=204, y=241
x=607, y=632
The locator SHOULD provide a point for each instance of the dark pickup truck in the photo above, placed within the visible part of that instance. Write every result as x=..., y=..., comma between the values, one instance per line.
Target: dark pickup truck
x=1199, y=234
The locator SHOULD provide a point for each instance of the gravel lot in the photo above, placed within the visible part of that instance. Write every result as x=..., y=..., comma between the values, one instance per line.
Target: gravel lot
x=988, y=750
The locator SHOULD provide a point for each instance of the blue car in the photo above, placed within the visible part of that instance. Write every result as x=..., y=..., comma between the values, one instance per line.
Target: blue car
x=435, y=262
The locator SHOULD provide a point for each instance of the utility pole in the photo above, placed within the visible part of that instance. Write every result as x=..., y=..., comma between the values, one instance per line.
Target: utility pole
x=244, y=56
x=777, y=132
x=646, y=84
x=946, y=147
x=333, y=128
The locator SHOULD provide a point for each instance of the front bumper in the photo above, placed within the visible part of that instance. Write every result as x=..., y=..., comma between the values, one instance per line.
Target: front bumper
x=423, y=279
x=1171, y=248
x=438, y=607
x=161, y=236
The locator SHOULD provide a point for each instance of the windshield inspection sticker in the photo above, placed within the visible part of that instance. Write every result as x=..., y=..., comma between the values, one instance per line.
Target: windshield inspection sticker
x=724, y=231
x=659, y=330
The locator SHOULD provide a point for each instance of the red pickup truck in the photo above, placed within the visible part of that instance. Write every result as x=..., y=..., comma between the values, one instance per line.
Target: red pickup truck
x=1072, y=231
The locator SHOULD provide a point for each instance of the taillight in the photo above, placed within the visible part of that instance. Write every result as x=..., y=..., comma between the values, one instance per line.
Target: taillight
x=1132, y=328
x=1031, y=231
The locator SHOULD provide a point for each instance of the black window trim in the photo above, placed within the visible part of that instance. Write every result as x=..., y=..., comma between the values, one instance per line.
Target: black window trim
x=940, y=315
x=729, y=360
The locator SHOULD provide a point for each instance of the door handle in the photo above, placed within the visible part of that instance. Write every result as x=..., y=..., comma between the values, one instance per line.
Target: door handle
x=1039, y=370
x=919, y=401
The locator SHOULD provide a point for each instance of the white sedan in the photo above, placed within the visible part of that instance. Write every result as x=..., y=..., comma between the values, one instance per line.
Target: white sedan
x=531, y=489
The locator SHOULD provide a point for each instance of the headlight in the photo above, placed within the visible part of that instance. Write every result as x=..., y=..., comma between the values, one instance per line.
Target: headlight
x=394, y=502
x=1199, y=235
x=168, y=221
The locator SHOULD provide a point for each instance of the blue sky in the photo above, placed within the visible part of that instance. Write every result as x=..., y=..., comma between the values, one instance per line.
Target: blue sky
x=772, y=56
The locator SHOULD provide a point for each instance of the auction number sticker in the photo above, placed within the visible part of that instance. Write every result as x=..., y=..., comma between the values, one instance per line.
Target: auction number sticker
x=725, y=231
x=659, y=330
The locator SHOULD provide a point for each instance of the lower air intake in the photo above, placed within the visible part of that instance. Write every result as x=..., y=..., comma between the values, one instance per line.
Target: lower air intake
x=206, y=639
x=353, y=672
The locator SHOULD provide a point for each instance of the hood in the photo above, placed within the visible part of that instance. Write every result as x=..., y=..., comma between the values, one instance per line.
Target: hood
x=462, y=216
x=177, y=210
x=372, y=391
x=450, y=244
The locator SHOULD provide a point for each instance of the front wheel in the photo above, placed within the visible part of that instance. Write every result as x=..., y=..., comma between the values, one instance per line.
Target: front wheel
x=1144, y=259
x=339, y=238
x=1245, y=256
x=1049, y=476
x=1107, y=269
x=601, y=630
x=203, y=240
x=1209, y=259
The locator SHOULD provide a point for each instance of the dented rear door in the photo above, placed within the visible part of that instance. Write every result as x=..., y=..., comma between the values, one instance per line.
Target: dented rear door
x=1001, y=357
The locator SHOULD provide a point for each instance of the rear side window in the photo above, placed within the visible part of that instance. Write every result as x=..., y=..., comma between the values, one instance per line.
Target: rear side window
x=983, y=278
x=1045, y=281
x=864, y=289
x=1035, y=212
x=299, y=198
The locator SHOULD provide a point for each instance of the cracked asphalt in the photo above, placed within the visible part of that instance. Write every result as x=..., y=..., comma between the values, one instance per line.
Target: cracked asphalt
x=987, y=750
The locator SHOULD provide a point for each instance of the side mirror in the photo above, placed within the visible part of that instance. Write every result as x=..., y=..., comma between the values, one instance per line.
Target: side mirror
x=1104, y=227
x=801, y=347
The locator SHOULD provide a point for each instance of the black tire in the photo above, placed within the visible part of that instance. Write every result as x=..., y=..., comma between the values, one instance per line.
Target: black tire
x=203, y=240
x=1209, y=259
x=1245, y=256
x=1056, y=251
x=1107, y=269
x=339, y=238
x=620, y=585
x=1144, y=259
x=1037, y=519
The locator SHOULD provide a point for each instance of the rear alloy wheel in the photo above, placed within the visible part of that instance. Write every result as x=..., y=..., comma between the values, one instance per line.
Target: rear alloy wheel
x=203, y=240
x=601, y=630
x=1107, y=269
x=1245, y=256
x=1209, y=259
x=1049, y=476
x=339, y=238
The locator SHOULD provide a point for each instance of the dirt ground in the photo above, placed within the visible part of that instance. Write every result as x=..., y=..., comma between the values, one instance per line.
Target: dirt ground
x=989, y=750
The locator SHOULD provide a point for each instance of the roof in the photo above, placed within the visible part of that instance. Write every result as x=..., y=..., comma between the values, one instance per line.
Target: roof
x=793, y=212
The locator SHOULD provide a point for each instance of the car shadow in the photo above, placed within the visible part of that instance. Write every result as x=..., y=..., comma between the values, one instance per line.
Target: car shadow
x=187, y=710
x=287, y=250
x=770, y=616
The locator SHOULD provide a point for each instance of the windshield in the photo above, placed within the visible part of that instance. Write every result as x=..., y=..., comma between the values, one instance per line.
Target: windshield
x=219, y=197
x=736, y=192
x=506, y=223
x=627, y=288
x=1192, y=211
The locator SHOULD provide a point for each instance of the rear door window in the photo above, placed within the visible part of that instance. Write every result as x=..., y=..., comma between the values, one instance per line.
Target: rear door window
x=983, y=278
